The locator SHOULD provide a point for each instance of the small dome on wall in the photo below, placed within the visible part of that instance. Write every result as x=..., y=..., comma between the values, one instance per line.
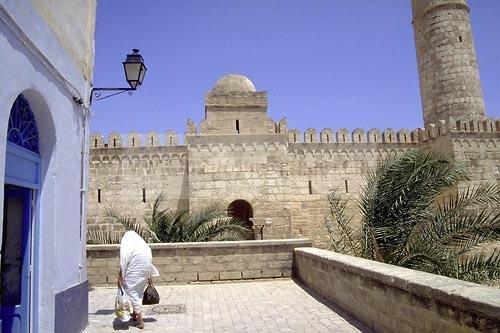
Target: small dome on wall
x=234, y=83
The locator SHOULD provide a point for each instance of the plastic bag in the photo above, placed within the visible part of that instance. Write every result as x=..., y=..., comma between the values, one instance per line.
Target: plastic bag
x=151, y=296
x=123, y=307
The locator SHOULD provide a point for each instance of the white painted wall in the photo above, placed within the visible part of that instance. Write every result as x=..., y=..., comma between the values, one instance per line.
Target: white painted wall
x=34, y=63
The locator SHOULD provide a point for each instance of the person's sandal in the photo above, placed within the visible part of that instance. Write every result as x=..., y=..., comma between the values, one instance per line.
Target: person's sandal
x=139, y=321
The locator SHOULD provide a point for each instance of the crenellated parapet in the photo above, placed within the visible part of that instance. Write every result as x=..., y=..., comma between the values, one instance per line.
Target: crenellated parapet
x=404, y=135
x=374, y=135
x=134, y=139
x=294, y=135
x=190, y=128
x=310, y=135
x=342, y=135
x=282, y=126
x=114, y=140
x=96, y=141
x=486, y=125
x=390, y=136
x=152, y=139
x=358, y=135
x=327, y=135
x=171, y=138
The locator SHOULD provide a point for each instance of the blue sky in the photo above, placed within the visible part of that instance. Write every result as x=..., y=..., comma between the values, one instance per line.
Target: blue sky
x=324, y=63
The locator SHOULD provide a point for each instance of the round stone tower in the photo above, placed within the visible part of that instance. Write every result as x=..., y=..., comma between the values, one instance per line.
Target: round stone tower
x=447, y=65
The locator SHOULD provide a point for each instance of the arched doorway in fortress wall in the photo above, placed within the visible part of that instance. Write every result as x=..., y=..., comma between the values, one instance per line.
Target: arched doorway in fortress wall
x=244, y=211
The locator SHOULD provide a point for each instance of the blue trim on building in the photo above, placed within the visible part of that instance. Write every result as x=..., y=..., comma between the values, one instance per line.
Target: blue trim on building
x=36, y=264
x=72, y=307
x=22, y=167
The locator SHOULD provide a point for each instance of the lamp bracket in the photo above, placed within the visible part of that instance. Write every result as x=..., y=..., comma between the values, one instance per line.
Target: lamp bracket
x=96, y=93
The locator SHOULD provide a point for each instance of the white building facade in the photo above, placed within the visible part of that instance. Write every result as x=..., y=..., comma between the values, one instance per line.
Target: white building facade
x=47, y=48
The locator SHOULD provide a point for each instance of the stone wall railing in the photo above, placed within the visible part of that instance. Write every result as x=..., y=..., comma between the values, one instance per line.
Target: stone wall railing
x=394, y=299
x=207, y=261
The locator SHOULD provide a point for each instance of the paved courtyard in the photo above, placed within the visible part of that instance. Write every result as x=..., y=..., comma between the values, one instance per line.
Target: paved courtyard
x=261, y=306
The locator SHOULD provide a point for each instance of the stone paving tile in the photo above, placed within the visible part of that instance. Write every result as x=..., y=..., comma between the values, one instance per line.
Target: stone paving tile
x=279, y=305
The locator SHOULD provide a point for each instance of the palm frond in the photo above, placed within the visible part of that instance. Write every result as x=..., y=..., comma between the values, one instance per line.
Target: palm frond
x=464, y=230
x=99, y=236
x=344, y=238
x=480, y=268
x=139, y=227
x=218, y=229
x=415, y=215
x=400, y=192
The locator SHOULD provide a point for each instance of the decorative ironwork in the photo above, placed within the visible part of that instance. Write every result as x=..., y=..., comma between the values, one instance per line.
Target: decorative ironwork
x=96, y=93
x=22, y=129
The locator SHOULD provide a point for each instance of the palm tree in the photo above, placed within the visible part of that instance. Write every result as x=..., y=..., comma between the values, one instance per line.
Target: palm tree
x=410, y=219
x=210, y=223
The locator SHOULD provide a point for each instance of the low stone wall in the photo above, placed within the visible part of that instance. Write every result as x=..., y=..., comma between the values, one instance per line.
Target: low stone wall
x=208, y=261
x=395, y=299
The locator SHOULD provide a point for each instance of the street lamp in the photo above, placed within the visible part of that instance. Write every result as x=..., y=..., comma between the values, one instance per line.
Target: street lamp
x=135, y=70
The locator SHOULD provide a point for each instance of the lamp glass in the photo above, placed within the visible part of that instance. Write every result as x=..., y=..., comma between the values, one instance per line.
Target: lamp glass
x=135, y=70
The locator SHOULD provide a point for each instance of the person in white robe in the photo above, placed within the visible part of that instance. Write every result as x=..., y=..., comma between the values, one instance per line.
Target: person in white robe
x=136, y=267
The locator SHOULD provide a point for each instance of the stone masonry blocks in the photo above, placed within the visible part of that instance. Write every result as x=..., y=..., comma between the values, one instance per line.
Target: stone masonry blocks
x=447, y=64
x=394, y=299
x=211, y=261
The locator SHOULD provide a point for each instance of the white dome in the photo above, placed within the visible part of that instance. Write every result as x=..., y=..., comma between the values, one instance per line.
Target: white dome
x=234, y=83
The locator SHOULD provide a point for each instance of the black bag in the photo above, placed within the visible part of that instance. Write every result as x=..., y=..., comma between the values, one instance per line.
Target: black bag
x=151, y=296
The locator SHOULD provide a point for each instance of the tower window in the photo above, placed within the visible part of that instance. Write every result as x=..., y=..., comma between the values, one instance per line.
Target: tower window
x=390, y=137
x=170, y=140
x=98, y=195
x=114, y=142
x=343, y=137
x=152, y=141
x=327, y=137
x=95, y=143
x=310, y=187
x=143, y=195
x=133, y=142
x=311, y=138
x=346, y=184
x=359, y=137
x=460, y=39
x=237, y=126
x=294, y=137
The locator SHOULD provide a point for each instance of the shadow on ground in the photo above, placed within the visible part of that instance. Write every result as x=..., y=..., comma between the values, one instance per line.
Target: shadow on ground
x=119, y=325
x=104, y=312
x=332, y=306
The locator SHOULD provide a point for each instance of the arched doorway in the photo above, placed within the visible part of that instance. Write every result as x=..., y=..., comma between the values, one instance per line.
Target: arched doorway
x=22, y=180
x=242, y=210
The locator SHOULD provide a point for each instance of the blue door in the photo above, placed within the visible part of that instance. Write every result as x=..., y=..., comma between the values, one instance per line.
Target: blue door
x=22, y=181
x=16, y=259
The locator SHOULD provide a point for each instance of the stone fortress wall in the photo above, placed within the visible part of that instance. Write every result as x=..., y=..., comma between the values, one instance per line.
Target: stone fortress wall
x=285, y=177
x=280, y=177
